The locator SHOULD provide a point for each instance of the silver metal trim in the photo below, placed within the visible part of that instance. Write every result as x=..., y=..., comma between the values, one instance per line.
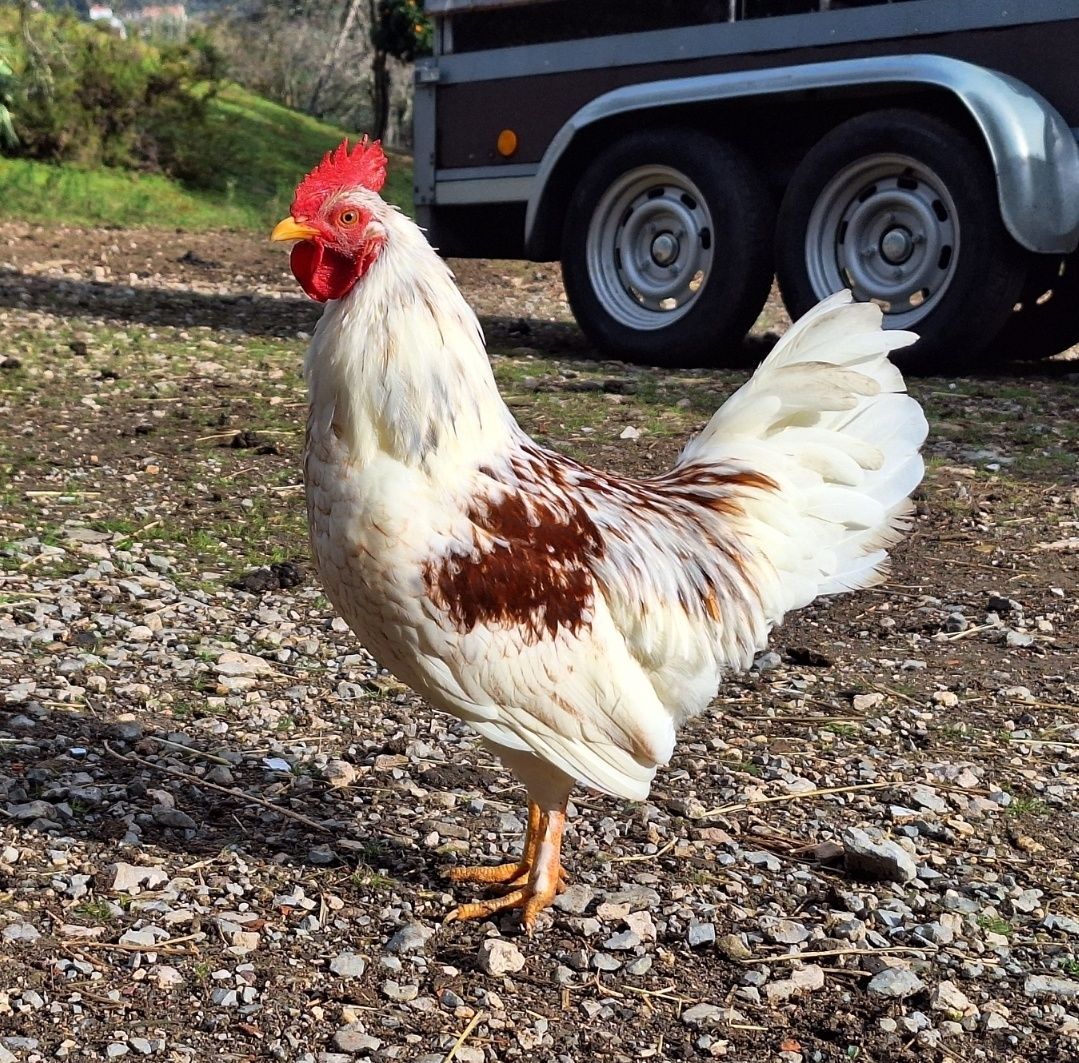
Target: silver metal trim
x=1034, y=154
x=423, y=133
x=484, y=190
x=475, y=173
x=912, y=18
x=446, y=7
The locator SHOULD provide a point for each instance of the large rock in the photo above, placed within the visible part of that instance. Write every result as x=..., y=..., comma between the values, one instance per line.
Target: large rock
x=895, y=983
x=498, y=956
x=870, y=855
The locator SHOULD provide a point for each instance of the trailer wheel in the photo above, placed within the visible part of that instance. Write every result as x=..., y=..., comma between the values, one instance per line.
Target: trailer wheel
x=1046, y=320
x=901, y=208
x=665, y=252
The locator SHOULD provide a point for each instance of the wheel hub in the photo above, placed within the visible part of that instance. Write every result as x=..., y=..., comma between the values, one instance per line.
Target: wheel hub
x=665, y=249
x=897, y=245
x=650, y=247
x=885, y=227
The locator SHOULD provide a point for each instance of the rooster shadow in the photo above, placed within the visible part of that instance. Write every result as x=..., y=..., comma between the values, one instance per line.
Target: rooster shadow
x=92, y=780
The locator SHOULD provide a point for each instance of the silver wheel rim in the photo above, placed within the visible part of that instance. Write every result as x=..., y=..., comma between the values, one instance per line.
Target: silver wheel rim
x=649, y=247
x=887, y=228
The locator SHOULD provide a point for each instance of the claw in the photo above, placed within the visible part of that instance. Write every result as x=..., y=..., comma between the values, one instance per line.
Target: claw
x=540, y=862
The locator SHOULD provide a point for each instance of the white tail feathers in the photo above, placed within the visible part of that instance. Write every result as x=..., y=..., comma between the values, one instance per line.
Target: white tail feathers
x=826, y=417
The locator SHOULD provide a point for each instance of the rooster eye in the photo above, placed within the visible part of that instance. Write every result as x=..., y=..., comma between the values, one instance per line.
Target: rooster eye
x=348, y=217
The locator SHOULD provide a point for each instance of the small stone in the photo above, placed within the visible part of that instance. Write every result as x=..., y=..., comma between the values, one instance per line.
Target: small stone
x=826, y=852
x=26, y=933
x=124, y=731
x=1028, y=900
x=145, y=938
x=410, y=938
x=760, y=858
x=627, y=939
x=116, y=1049
x=802, y=980
x=167, y=977
x=1062, y=923
x=130, y=878
x=733, y=947
x=497, y=957
x=937, y=932
x=784, y=931
x=871, y=856
x=576, y=899
x=895, y=983
x=641, y=924
x=765, y=662
x=865, y=702
x=1045, y=985
x=173, y=818
x=231, y=663
x=601, y=961
x=948, y=997
x=701, y=934
x=400, y=992
x=641, y=965
x=924, y=797
x=354, y=1038
x=339, y=773
x=32, y=810
x=348, y=965
x=705, y=1016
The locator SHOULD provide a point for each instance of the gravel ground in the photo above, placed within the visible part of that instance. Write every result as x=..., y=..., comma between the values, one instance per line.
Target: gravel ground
x=222, y=829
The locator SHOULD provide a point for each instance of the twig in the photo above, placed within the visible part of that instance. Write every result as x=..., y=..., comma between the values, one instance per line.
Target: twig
x=955, y=636
x=791, y=957
x=464, y=1036
x=1042, y=742
x=795, y=797
x=167, y=947
x=62, y=494
x=646, y=856
x=231, y=791
x=894, y=693
x=189, y=749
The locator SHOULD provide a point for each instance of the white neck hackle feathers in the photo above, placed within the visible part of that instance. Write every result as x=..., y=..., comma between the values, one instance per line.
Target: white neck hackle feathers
x=398, y=366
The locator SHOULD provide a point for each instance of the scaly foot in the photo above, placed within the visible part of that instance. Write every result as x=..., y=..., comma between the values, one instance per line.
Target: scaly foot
x=509, y=874
x=545, y=876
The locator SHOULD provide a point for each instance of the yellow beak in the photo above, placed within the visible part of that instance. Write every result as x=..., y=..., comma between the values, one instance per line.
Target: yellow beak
x=291, y=229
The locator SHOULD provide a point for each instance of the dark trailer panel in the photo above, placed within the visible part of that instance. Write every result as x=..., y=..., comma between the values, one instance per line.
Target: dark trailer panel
x=523, y=99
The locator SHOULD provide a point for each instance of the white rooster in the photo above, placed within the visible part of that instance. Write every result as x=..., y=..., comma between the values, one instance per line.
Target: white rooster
x=573, y=618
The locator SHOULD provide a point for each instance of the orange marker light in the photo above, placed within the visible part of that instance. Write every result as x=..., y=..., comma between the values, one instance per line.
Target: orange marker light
x=507, y=143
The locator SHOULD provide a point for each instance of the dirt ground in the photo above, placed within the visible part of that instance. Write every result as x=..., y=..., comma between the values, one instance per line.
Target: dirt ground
x=290, y=818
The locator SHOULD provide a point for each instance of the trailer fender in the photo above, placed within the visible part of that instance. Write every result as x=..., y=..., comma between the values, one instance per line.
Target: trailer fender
x=1035, y=155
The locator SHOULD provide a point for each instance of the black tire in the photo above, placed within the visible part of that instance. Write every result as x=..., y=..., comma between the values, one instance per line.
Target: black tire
x=901, y=207
x=1046, y=319
x=699, y=218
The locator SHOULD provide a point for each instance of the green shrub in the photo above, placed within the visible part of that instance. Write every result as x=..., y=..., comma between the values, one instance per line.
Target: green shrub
x=85, y=96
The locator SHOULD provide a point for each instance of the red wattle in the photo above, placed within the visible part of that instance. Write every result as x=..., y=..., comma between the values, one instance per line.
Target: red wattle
x=322, y=272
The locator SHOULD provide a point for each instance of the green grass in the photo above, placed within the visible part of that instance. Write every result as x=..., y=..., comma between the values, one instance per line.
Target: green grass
x=259, y=150
x=995, y=925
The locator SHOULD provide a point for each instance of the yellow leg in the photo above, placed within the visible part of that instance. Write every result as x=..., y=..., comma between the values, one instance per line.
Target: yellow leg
x=504, y=874
x=546, y=878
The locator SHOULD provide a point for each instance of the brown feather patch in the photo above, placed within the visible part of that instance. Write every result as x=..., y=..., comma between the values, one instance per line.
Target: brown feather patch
x=529, y=567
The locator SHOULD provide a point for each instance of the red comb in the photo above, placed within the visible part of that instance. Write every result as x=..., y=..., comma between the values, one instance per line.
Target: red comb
x=364, y=165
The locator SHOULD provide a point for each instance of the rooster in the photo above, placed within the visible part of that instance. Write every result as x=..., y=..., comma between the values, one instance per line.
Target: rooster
x=572, y=617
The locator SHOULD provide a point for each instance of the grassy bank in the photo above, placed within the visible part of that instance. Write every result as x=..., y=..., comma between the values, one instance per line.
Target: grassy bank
x=259, y=151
